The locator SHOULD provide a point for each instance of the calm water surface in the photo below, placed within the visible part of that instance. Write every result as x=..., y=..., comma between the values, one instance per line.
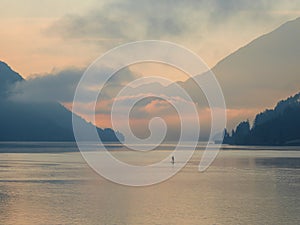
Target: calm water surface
x=241, y=187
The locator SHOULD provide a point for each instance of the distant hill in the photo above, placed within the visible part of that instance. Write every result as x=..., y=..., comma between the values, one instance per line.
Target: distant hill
x=278, y=126
x=8, y=77
x=246, y=76
x=37, y=121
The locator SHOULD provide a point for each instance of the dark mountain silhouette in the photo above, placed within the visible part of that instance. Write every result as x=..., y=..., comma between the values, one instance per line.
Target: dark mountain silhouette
x=278, y=126
x=248, y=74
x=8, y=77
x=37, y=121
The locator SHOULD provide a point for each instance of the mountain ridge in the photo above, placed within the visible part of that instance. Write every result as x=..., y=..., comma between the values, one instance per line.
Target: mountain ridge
x=38, y=121
x=7, y=78
x=278, y=126
x=247, y=74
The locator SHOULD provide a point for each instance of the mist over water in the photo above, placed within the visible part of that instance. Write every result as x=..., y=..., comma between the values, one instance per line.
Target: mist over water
x=241, y=187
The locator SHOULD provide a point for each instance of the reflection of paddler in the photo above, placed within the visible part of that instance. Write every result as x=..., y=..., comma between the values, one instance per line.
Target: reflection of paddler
x=173, y=160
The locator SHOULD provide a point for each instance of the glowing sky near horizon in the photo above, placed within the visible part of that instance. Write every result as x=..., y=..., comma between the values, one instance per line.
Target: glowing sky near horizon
x=38, y=36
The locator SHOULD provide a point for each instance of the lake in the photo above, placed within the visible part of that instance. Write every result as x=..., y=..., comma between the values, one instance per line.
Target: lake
x=244, y=185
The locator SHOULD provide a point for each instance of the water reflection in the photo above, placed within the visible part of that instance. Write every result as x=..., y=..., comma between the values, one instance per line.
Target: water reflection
x=241, y=187
x=279, y=162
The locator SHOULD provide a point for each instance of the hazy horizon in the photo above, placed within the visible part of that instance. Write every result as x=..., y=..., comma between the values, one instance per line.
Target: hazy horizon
x=54, y=41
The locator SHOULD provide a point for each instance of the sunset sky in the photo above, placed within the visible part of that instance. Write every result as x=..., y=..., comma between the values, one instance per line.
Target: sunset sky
x=40, y=38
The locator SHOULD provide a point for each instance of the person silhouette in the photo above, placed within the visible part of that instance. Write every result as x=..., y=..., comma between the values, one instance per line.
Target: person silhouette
x=173, y=160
